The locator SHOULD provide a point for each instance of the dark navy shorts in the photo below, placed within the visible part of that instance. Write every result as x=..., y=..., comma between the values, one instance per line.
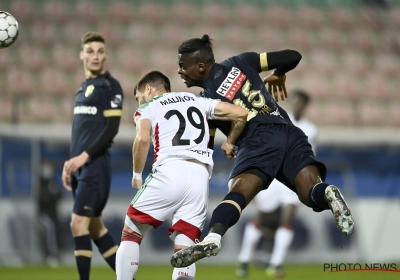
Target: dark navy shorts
x=91, y=186
x=280, y=151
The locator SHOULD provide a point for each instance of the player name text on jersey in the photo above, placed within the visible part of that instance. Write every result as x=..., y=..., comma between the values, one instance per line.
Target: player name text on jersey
x=176, y=99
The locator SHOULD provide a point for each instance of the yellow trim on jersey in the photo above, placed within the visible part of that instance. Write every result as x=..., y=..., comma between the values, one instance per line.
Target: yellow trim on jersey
x=83, y=253
x=234, y=204
x=264, y=61
x=212, y=131
x=112, y=113
x=110, y=252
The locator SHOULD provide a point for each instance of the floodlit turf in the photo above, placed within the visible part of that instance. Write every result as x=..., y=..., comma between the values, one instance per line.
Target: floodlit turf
x=204, y=272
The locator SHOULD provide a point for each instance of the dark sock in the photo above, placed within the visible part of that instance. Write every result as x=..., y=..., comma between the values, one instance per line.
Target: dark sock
x=108, y=248
x=83, y=255
x=316, y=197
x=244, y=266
x=227, y=212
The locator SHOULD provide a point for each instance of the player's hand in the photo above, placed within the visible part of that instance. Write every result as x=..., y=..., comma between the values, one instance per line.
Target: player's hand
x=75, y=163
x=137, y=183
x=66, y=179
x=229, y=150
x=276, y=84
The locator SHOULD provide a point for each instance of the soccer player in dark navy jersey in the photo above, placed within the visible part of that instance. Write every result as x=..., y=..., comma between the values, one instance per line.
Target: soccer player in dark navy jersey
x=269, y=147
x=97, y=114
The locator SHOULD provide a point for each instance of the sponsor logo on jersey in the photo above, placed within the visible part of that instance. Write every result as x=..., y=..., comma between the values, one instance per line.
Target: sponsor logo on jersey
x=276, y=113
x=116, y=101
x=85, y=110
x=231, y=84
x=89, y=90
x=200, y=152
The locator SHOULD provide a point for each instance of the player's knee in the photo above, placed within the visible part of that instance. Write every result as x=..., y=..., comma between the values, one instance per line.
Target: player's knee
x=79, y=225
x=134, y=231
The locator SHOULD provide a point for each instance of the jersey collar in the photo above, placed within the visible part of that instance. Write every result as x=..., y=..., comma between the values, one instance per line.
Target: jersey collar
x=213, y=75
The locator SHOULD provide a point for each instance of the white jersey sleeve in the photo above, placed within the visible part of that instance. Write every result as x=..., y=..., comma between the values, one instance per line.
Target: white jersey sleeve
x=143, y=112
x=179, y=127
x=209, y=105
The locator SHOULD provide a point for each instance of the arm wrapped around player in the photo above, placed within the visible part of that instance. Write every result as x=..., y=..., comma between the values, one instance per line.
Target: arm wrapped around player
x=226, y=111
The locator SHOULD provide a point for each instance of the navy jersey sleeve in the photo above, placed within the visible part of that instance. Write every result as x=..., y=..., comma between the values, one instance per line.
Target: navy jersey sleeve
x=254, y=60
x=112, y=100
x=111, y=104
x=282, y=61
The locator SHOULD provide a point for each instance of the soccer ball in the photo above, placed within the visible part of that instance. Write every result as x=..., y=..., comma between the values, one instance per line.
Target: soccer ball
x=8, y=29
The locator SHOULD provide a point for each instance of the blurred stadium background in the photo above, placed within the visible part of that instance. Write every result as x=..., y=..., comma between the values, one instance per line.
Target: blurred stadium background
x=350, y=66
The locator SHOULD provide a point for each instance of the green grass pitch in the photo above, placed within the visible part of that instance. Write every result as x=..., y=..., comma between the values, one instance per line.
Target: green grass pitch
x=204, y=272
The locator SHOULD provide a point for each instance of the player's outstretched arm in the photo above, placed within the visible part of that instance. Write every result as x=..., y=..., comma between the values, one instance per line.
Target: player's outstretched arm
x=238, y=116
x=281, y=62
x=140, y=149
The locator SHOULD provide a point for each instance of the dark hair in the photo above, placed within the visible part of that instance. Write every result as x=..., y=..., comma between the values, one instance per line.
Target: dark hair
x=154, y=78
x=91, y=36
x=202, y=47
x=302, y=94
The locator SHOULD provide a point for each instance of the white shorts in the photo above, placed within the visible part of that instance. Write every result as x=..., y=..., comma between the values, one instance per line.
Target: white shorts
x=277, y=194
x=179, y=189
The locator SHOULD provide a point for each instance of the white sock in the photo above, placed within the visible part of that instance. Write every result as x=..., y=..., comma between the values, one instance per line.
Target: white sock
x=283, y=239
x=127, y=260
x=251, y=236
x=213, y=236
x=184, y=273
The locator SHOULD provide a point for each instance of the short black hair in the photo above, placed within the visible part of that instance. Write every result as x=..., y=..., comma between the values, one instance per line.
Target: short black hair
x=202, y=46
x=303, y=95
x=154, y=78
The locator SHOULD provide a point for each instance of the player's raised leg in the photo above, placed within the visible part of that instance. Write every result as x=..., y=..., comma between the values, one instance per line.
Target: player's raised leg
x=323, y=196
x=243, y=189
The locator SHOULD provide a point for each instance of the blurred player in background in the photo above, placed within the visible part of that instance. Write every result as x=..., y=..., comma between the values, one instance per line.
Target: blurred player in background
x=47, y=203
x=97, y=114
x=269, y=147
x=176, y=122
x=277, y=203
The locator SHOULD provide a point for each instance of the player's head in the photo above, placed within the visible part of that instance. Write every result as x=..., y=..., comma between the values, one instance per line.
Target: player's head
x=195, y=59
x=93, y=53
x=301, y=99
x=151, y=85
